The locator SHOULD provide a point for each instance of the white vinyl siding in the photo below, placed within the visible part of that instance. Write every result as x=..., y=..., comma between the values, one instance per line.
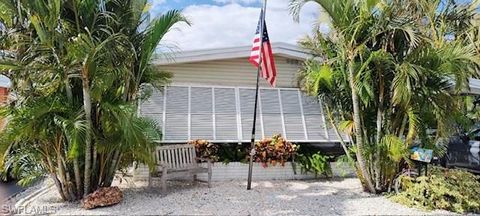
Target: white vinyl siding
x=231, y=72
x=225, y=114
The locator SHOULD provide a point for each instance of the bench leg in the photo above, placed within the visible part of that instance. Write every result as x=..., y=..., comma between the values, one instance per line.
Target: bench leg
x=209, y=174
x=163, y=179
x=149, y=180
x=194, y=177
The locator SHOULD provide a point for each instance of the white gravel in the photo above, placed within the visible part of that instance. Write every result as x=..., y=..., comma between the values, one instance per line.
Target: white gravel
x=9, y=204
x=321, y=197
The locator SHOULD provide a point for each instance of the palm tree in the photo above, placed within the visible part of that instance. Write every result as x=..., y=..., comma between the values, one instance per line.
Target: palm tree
x=144, y=36
x=90, y=54
x=396, y=68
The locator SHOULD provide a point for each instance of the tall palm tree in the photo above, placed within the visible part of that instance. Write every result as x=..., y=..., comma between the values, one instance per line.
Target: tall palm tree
x=350, y=21
x=396, y=65
x=92, y=54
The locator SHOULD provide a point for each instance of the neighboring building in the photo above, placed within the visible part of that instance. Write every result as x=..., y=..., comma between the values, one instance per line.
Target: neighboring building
x=4, y=86
x=3, y=94
x=212, y=97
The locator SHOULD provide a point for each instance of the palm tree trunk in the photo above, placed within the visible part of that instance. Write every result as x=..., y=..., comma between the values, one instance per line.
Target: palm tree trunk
x=380, y=109
x=60, y=167
x=87, y=106
x=358, y=129
x=68, y=181
x=62, y=177
x=378, y=167
x=113, y=167
x=334, y=125
x=76, y=165
x=127, y=88
x=402, y=126
x=54, y=177
x=70, y=187
x=78, y=178
x=95, y=182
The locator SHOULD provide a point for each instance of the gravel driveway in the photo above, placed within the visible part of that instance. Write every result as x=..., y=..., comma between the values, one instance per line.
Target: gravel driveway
x=334, y=197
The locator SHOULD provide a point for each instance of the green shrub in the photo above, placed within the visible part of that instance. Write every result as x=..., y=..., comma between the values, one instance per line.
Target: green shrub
x=317, y=164
x=448, y=189
x=228, y=152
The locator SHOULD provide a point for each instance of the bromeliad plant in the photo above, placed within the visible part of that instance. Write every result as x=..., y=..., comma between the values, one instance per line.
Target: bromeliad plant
x=274, y=150
x=205, y=149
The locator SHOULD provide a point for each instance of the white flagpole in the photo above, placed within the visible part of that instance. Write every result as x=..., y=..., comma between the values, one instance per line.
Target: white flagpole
x=252, y=144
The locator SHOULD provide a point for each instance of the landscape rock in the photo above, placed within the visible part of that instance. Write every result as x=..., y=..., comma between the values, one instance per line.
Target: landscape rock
x=105, y=196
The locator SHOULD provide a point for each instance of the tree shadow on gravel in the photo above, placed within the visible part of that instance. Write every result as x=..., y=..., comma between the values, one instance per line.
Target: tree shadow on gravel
x=173, y=186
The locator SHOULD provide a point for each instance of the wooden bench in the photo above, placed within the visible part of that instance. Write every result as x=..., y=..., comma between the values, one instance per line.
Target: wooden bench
x=173, y=161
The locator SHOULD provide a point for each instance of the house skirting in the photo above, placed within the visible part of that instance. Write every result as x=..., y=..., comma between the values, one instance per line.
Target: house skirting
x=239, y=171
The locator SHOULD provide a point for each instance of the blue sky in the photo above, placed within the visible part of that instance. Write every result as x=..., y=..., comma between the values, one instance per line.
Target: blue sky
x=227, y=23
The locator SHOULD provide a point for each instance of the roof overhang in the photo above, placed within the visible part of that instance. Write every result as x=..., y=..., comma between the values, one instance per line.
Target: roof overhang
x=279, y=49
x=474, y=87
x=4, y=82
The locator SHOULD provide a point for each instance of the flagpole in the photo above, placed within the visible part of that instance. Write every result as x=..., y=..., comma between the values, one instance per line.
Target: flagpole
x=252, y=144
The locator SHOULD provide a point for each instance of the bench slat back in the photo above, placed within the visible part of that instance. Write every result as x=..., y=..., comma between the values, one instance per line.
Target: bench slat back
x=176, y=157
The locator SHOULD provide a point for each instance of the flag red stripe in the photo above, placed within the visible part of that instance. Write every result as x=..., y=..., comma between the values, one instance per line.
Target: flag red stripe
x=264, y=67
x=271, y=63
x=253, y=61
x=266, y=61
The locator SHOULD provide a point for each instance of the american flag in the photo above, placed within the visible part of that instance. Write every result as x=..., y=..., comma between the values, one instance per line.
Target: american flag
x=269, y=72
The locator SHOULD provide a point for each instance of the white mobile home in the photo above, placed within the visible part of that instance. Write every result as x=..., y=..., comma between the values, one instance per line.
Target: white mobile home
x=212, y=97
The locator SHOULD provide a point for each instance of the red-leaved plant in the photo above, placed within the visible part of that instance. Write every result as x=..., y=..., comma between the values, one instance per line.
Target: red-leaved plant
x=205, y=149
x=274, y=150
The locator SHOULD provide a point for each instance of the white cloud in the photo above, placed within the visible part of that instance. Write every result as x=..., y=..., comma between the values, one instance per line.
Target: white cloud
x=232, y=24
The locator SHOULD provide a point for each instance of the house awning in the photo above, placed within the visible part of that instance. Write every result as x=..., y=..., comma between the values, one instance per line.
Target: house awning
x=225, y=114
